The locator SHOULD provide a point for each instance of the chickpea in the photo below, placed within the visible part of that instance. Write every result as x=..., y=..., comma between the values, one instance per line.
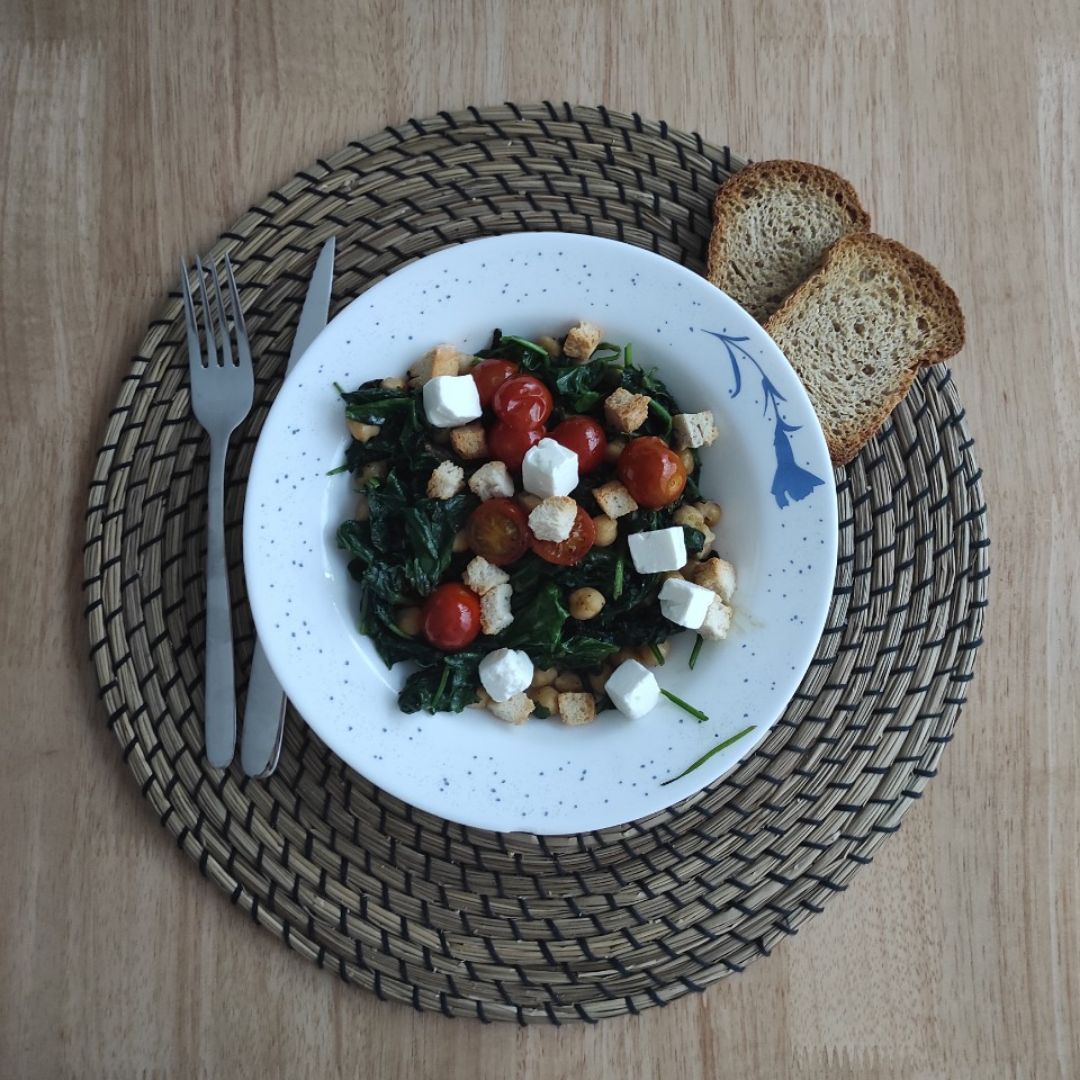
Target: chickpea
x=409, y=620
x=362, y=432
x=586, y=603
x=547, y=697
x=625, y=654
x=711, y=512
x=461, y=542
x=607, y=530
x=614, y=448
x=483, y=699
x=362, y=510
x=394, y=382
x=543, y=676
x=440, y=436
x=569, y=682
x=689, y=515
x=645, y=655
x=549, y=345
x=375, y=470
x=671, y=574
x=689, y=464
x=598, y=679
x=528, y=502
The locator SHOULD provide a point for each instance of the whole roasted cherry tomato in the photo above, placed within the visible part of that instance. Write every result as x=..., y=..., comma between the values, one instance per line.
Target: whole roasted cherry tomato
x=585, y=437
x=522, y=402
x=451, y=617
x=499, y=531
x=489, y=375
x=574, y=548
x=652, y=472
x=510, y=444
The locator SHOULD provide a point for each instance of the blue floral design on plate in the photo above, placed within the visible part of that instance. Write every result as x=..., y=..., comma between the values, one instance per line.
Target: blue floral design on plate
x=791, y=482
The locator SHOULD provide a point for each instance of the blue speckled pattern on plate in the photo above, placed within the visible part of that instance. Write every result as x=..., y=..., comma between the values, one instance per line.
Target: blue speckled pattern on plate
x=769, y=470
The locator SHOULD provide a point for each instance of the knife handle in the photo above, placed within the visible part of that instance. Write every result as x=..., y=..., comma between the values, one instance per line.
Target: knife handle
x=264, y=718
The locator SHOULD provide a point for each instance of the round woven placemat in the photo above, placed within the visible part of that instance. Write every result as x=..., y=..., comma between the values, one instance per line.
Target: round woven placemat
x=517, y=927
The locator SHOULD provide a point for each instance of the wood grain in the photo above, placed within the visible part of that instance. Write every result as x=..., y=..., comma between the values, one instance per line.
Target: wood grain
x=130, y=134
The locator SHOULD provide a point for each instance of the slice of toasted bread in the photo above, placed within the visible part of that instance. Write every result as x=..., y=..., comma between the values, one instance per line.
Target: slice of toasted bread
x=772, y=223
x=858, y=330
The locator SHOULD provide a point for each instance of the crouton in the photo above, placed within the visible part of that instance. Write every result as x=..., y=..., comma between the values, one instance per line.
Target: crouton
x=446, y=480
x=577, y=708
x=469, y=442
x=717, y=621
x=626, y=411
x=515, y=710
x=442, y=360
x=491, y=481
x=495, y=614
x=716, y=574
x=692, y=430
x=582, y=341
x=614, y=499
x=482, y=576
x=554, y=518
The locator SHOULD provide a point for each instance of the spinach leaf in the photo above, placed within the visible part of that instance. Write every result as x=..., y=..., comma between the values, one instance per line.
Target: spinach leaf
x=448, y=684
x=377, y=405
x=695, y=538
x=583, y=383
x=641, y=381
x=355, y=538
x=540, y=633
x=429, y=528
x=584, y=651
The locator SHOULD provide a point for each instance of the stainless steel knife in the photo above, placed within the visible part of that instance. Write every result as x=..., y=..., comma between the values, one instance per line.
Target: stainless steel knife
x=264, y=712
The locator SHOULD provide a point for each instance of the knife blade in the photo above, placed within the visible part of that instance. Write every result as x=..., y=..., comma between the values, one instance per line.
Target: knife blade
x=264, y=710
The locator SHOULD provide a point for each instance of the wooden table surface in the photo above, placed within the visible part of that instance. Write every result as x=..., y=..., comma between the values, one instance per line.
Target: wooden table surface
x=130, y=134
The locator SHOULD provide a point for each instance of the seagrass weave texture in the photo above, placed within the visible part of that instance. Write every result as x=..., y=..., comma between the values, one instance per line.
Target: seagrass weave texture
x=515, y=927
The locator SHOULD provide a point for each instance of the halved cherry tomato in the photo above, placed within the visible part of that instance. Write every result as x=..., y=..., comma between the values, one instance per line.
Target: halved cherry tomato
x=510, y=444
x=574, y=548
x=451, y=617
x=522, y=402
x=652, y=472
x=499, y=531
x=585, y=437
x=489, y=375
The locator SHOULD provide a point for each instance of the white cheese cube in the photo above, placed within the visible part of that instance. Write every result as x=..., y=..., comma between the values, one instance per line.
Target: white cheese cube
x=505, y=672
x=549, y=468
x=659, y=550
x=450, y=400
x=685, y=603
x=553, y=519
x=633, y=689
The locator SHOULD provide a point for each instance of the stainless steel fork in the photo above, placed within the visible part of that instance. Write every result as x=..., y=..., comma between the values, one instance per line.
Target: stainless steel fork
x=222, y=389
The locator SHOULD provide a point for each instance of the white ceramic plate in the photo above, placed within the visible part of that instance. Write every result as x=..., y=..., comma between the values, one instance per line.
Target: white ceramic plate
x=769, y=470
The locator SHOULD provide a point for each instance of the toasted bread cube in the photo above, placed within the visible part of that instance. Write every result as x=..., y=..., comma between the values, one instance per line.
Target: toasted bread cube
x=577, y=708
x=716, y=574
x=554, y=518
x=614, y=499
x=482, y=576
x=515, y=710
x=446, y=480
x=717, y=621
x=442, y=360
x=582, y=340
x=692, y=430
x=495, y=613
x=492, y=481
x=626, y=411
x=469, y=442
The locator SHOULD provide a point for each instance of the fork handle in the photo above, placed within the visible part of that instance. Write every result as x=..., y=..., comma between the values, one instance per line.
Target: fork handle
x=220, y=688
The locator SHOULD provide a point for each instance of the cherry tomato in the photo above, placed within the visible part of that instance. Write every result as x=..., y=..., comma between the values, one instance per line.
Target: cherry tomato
x=522, y=402
x=574, y=548
x=509, y=444
x=499, y=531
x=451, y=617
x=585, y=437
x=489, y=375
x=652, y=472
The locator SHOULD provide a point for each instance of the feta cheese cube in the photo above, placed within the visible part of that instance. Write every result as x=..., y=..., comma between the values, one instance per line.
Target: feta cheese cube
x=505, y=672
x=658, y=550
x=450, y=400
x=633, y=689
x=549, y=469
x=694, y=429
x=685, y=603
x=553, y=519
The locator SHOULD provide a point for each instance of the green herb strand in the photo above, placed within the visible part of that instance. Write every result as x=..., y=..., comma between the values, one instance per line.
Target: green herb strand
x=705, y=757
x=701, y=717
x=339, y=469
x=697, y=649
x=657, y=653
x=525, y=343
x=662, y=413
x=442, y=686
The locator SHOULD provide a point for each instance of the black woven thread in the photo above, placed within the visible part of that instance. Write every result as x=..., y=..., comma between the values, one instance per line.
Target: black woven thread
x=528, y=929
